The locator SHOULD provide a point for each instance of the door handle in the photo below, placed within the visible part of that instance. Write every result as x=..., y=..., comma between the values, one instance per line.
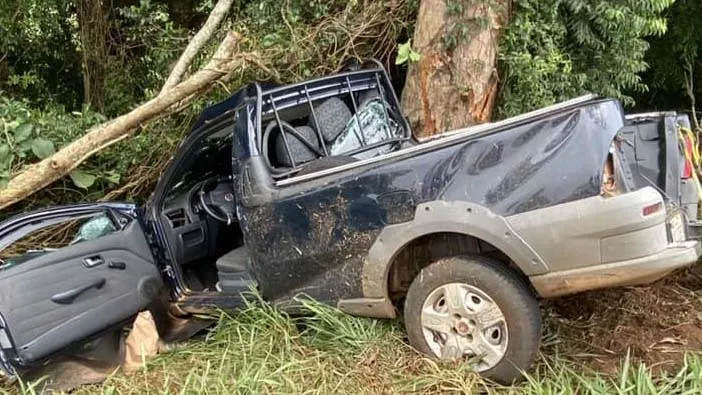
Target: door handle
x=68, y=297
x=93, y=261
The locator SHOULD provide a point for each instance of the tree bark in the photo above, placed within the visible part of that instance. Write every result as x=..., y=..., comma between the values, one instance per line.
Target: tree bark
x=454, y=83
x=195, y=45
x=50, y=169
x=93, y=39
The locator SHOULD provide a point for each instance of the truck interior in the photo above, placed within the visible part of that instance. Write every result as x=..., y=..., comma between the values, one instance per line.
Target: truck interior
x=330, y=121
x=303, y=128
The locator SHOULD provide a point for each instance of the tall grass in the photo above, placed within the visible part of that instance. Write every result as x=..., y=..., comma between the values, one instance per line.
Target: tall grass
x=263, y=351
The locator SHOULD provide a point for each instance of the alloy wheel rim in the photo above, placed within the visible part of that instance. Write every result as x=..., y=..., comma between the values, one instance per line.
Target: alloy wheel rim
x=460, y=321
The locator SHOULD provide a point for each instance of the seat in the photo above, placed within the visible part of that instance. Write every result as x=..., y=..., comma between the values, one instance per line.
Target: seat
x=234, y=272
x=332, y=117
x=234, y=261
x=300, y=152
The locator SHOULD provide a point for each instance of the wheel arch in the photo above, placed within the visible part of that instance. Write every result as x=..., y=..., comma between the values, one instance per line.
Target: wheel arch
x=468, y=220
x=427, y=248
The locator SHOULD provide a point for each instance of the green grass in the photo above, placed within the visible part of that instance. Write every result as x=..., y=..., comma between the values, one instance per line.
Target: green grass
x=262, y=351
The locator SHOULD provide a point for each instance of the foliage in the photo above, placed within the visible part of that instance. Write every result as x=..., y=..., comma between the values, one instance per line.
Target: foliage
x=41, y=52
x=30, y=135
x=555, y=49
x=144, y=43
x=672, y=55
x=405, y=54
x=38, y=61
x=303, y=38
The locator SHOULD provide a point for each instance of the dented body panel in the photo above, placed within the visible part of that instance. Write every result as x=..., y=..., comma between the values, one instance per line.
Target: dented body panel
x=325, y=234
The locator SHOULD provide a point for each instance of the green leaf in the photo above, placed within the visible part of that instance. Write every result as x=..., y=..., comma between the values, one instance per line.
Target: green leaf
x=403, y=52
x=23, y=132
x=42, y=147
x=82, y=179
x=5, y=153
x=112, y=176
x=270, y=40
x=23, y=147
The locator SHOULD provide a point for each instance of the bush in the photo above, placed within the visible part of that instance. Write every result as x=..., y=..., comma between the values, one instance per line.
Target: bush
x=553, y=50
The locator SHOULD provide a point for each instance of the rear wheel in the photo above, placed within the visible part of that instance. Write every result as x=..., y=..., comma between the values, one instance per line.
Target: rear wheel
x=476, y=309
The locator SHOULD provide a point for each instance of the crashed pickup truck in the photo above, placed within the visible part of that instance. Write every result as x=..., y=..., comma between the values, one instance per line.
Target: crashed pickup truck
x=320, y=189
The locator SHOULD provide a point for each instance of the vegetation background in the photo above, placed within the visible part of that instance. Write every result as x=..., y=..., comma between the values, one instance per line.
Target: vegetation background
x=67, y=65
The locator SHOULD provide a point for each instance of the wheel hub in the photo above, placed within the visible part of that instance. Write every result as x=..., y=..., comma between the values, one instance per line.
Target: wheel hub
x=462, y=327
x=462, y=321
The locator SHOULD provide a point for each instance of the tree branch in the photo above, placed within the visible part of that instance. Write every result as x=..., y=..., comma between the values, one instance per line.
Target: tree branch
x=690, y=88
x=50, y=169
x=199, y=40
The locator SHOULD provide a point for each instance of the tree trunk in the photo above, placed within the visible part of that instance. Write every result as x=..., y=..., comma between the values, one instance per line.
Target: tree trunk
x=454, y=83
x=93, y=40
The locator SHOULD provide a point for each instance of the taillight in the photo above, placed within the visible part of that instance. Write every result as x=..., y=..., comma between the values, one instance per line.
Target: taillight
x=687, y=170
x=648, y=210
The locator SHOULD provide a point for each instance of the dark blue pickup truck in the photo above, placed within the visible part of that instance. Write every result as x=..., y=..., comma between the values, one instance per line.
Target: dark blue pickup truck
x=320, y=189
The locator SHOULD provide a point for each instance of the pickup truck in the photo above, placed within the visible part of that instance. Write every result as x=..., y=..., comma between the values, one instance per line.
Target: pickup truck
x=318, y=189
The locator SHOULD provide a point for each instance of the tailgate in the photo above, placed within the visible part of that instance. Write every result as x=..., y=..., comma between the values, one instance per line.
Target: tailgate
x=656, y=158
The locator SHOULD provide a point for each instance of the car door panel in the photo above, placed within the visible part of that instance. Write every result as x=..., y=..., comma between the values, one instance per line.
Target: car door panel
x=64, y=296
x=321, y=236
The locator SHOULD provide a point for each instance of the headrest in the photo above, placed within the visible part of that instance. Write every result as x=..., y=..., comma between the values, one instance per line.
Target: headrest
x=332, y=115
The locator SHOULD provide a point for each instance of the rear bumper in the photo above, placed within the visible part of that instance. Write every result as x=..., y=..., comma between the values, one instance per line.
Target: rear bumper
x=630, y=272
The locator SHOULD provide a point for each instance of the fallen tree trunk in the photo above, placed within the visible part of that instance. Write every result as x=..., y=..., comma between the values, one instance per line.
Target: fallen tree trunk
x=54, y=167
x=454, y=83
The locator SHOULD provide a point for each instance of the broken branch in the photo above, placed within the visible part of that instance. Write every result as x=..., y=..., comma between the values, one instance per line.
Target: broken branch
x=199, y=40
x=52, y=168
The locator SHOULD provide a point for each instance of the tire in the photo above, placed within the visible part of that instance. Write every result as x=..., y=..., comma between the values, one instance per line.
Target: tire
x=479, y=283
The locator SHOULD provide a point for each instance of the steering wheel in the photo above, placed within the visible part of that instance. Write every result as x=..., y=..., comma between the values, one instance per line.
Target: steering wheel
x=218, y=201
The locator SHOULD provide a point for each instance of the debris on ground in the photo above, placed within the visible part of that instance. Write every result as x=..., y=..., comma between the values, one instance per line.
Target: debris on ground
x=655, y=324
x=126, y=351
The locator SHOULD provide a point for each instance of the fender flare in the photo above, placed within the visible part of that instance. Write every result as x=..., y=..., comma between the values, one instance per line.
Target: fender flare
x=465, y=218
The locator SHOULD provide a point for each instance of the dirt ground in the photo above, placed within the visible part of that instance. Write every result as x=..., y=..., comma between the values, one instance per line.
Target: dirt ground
x=656, y=324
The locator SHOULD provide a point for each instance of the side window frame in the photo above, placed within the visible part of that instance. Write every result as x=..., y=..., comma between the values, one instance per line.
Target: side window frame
x=30, y=223
x=337, y=85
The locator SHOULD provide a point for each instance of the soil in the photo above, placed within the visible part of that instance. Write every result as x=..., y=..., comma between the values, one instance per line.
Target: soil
x=655, y=324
